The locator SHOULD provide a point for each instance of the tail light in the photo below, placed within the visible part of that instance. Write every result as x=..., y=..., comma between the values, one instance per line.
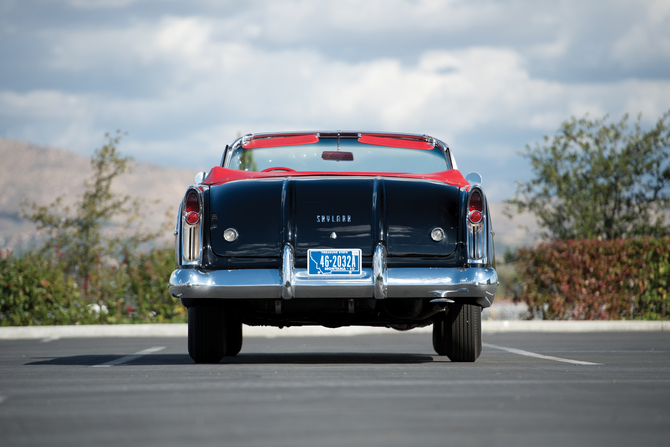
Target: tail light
x=475, y=208
x=192, y=203
x=191, y=229
x=476, y=227
x=192, y=208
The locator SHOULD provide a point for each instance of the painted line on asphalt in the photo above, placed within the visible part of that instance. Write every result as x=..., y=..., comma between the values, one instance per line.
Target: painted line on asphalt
x=130, y=358
x=540, y=356
x=47, y=340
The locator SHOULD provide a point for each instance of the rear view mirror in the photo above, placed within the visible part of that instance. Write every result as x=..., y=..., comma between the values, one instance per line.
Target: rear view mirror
x=338, y=156
x=474, y=178
x=200, y=177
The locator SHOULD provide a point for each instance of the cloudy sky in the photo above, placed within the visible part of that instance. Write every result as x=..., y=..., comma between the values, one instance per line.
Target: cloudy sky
x=183, y=78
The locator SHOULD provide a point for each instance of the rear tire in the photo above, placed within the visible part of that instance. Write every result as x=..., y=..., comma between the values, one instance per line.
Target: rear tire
x=233, y=337
x=438, y=334
x=458, y=334
x=206, y=334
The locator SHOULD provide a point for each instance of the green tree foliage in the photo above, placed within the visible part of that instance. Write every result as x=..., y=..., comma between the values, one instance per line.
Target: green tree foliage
x=91, y=268
x=596, y=179
x=78, y=236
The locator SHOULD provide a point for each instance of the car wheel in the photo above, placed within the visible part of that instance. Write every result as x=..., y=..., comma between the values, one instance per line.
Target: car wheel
x=233, y=337
x=438, y=334
x=459, y=334
x=206, y=334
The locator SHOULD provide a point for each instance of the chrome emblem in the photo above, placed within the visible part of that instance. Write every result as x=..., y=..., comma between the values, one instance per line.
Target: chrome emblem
x=334, y=218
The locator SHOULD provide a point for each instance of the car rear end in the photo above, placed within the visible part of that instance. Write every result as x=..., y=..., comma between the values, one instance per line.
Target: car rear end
x=334, y=243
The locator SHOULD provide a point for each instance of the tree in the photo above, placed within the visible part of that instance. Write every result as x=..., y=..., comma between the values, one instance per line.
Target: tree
x=595, y=179
x=78, y=236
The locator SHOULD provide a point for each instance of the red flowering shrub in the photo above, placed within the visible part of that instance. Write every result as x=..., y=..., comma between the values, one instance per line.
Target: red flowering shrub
x=596, y=280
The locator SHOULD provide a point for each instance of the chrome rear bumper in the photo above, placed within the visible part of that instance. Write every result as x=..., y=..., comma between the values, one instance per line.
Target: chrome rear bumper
x=376, y=282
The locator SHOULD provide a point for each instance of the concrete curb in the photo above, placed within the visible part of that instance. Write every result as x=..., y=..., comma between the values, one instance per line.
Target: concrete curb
x=180, y=330
x=575, y=326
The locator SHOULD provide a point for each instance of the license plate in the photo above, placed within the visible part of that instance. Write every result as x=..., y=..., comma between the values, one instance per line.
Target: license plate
x=346, y=262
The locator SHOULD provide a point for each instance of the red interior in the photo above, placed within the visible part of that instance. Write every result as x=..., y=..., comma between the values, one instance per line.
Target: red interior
x=220, y=175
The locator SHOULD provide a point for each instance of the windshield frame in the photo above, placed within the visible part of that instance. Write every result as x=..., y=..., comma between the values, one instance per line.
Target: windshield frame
x=327, y=140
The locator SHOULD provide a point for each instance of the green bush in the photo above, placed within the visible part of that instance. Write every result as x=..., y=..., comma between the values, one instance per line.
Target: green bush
x=83, y=274
x=596, y=280
x=34, y=290
x=148, y=278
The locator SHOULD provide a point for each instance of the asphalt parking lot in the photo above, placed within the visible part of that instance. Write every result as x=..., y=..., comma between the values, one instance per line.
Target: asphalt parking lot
x=526, y=389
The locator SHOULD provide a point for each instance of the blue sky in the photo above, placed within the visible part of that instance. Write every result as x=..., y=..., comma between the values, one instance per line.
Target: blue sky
x=184, y=78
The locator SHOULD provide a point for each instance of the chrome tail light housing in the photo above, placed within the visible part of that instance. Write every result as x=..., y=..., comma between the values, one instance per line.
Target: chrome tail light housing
x=191, y=224
x=476, y=227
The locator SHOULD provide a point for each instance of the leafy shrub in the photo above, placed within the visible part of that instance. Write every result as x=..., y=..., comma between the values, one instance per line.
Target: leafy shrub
x=148, y=277
x=91, y=268
x=593, y=279
x=34, y=290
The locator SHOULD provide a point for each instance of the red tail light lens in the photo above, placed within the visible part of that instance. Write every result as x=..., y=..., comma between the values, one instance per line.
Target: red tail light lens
x=192, y=203
x=476, y=209
x=192, y=218
x=476, y=202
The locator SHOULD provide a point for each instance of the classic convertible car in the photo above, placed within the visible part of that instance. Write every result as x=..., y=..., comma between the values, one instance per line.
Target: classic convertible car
x=334, y=229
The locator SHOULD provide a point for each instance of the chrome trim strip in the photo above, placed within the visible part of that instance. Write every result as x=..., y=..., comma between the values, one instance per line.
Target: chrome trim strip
x=379, y=271
x=288, y=273
x=268, y=283
x=477, y=242
x=444, y=293
x=191, y=236
x=420, y=282
x=306, y=286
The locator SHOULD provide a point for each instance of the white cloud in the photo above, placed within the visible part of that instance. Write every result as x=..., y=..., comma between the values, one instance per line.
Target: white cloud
x=239, y=84
x=94, y=4
x=184, y=85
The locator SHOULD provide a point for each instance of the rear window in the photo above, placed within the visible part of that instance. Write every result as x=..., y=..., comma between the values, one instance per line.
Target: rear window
x=349, y=155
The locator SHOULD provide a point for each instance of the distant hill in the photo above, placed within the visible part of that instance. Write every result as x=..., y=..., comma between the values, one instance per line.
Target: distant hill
x=41, y=174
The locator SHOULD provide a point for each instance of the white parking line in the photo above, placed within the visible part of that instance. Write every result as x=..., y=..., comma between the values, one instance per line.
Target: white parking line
x=47, y=340
x=129, y=358
x=540, y=356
